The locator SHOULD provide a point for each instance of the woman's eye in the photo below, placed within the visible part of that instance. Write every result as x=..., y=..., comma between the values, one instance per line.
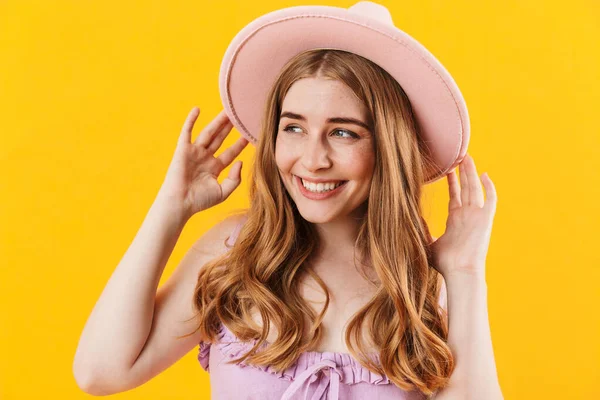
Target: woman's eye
x=288, y=128
x=350, y=134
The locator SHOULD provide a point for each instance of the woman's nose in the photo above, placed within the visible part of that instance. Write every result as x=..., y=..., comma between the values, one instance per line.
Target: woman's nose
x=315, y=154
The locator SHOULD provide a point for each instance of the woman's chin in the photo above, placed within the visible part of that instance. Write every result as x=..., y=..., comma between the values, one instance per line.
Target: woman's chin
x=318, y=215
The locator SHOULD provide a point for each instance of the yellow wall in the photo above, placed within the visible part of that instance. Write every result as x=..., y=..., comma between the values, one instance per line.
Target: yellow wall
x=92, y=98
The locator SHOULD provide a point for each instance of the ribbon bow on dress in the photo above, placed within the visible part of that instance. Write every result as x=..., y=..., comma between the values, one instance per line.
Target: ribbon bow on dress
x=331, y=378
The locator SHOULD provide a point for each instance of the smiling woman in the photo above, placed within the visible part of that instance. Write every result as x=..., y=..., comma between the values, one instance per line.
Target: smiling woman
x=335, y=192
x=331, y=280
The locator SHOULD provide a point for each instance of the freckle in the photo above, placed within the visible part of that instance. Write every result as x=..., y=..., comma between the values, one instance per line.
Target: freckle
x=366, y=150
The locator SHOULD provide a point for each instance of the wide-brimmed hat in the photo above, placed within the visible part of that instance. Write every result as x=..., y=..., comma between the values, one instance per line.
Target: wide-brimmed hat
x=256, y=55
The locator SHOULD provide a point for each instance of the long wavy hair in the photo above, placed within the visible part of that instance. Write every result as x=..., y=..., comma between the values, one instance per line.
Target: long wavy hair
x=261, y=270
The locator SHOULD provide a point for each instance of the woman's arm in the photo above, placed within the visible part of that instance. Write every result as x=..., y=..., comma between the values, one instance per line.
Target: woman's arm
x=469, y=338
x=134, y=332
x=119, y=323
x=130, y=335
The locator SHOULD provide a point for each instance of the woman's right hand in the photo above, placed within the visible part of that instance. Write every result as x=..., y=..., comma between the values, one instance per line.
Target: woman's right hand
x=191, y=179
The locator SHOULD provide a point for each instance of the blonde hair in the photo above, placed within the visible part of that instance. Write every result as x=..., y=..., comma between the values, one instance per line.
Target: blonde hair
x=275, y=245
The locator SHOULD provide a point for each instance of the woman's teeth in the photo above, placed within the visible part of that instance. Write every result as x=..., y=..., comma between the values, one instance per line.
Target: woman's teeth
x=320, y=187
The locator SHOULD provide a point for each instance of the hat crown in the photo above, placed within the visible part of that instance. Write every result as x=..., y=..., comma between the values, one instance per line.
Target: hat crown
x=372, y=10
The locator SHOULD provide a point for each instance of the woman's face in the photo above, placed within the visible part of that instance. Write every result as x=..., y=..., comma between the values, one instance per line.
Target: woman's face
x=312, y=147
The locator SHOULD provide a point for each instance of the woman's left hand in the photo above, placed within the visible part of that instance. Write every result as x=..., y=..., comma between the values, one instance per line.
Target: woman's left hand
x=464, y=245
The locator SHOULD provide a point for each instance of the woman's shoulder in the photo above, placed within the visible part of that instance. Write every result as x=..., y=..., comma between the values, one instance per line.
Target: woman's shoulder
x=216, y=239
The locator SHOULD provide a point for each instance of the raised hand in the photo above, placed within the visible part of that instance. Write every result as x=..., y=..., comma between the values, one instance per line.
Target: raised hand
x=191, y=180
x=464, y=245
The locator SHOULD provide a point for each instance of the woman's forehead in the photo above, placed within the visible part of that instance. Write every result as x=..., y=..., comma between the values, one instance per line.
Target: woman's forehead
x=319, y=99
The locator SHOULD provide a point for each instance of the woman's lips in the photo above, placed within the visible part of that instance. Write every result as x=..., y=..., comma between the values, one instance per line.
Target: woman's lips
x=317, y=196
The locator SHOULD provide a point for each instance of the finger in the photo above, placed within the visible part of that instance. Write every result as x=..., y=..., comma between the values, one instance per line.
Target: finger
x=207, y=134
x=490, y=193
x=464, y=183
x=232, y=181
x=219, y=137
x=233, y=151
x=185, y=135
x=454, y=191
x=475, y=189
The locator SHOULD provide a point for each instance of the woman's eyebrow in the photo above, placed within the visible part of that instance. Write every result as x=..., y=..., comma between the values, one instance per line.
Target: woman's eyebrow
x=337, y=120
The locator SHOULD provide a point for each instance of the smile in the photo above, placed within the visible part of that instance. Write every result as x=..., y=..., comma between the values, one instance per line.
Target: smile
x=319, y=191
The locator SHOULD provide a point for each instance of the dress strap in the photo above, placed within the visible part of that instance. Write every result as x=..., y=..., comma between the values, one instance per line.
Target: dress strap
x=443, y=299
x=236, y=231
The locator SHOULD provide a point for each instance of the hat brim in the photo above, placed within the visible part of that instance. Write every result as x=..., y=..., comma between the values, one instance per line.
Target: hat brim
x=258, y=52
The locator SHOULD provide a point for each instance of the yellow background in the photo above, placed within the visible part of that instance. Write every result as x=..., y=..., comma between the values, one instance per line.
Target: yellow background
x=92, y=98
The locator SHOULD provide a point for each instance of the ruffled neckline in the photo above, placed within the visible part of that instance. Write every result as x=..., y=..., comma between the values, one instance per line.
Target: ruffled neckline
x=350, y=370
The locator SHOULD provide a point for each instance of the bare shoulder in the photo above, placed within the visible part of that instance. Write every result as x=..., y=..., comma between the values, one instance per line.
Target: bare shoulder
x=212, y=243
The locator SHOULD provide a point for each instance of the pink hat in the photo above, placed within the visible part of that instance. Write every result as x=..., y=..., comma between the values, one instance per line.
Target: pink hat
x=258, y=52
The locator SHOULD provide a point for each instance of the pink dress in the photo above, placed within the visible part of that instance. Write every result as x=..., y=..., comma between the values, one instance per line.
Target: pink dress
x=314, y=375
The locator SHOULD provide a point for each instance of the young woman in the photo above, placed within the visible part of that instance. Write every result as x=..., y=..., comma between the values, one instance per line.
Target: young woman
x=330, y=284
